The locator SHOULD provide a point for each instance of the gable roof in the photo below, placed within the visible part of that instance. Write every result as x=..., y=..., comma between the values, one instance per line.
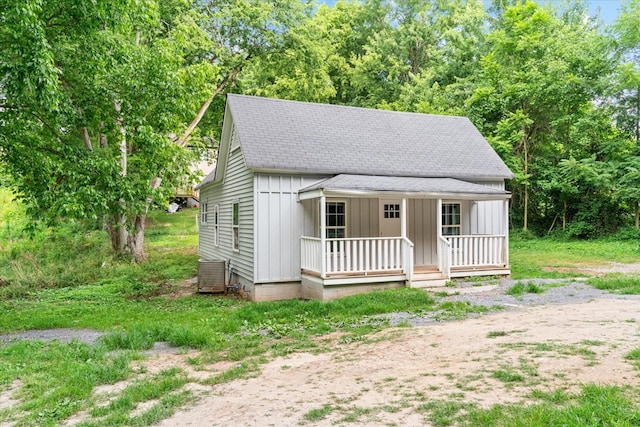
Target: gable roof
x=280, y=135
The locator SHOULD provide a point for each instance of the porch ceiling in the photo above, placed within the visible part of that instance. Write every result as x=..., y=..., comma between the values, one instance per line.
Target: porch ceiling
x=377, y=186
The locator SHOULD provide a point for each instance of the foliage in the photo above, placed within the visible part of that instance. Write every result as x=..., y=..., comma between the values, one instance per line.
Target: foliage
x=100, y=100
x=31, y=262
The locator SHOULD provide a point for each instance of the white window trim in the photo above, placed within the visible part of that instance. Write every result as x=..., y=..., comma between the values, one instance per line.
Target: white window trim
x=235, y=241
x=216, y=225
x=458, y=226
x=346, y=216
x=204, y=213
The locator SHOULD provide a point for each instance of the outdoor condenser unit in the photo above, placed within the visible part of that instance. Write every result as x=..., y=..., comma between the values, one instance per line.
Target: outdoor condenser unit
x=212, y=275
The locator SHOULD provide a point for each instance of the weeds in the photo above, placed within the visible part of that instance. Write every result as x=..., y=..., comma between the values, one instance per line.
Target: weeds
x=520, y=288
x=617, y=283
x=634, y=356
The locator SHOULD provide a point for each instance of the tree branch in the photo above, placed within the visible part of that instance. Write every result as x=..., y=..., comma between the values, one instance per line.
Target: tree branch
x=182, y=140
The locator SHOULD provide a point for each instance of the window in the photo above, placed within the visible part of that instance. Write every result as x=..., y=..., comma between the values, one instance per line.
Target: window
x=204, y=213
x=235, y=227
x=336, y=220
x=451, y=219
x=391, y=210
x=216, y=219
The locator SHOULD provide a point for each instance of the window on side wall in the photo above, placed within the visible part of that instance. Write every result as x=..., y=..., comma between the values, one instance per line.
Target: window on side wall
x=236, y=225
x=336, y=220
x=204, y=213
x=216, y=224
x=451, y=225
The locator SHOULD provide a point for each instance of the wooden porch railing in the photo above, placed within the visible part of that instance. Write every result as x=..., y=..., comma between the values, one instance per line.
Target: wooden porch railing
x=477, y=250
x=444, y=258
x=357, y=255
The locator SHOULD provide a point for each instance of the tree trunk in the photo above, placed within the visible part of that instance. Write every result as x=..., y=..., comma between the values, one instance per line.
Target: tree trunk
x=228, y=80
x=526, y=182
x=564, y=217
x=117, y=234
x=638, y=215
x=137, y=239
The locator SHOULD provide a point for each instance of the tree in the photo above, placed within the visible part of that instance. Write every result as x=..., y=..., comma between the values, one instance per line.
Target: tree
x=627, y=28
x=100, y=99
x=539, y=77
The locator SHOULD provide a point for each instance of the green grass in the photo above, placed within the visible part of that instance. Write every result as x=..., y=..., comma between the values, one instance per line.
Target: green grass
x=319, y=414
x=551, y=258
x=634, y=356
x=57, y=379
x=521, y=288
x=617, y=283
x=593, y=406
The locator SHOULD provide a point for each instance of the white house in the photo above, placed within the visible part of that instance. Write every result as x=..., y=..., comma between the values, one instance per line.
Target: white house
x=322, y=201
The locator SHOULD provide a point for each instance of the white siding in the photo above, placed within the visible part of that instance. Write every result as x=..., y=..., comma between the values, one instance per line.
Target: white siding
x=485, y=217
x=237, y=185
x=363, y=218
x=421, y=230
x=280, y=223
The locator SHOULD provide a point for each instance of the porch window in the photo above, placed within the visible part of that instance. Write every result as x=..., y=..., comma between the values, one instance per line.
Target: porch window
x=216, y=218
x=204, y=213
x=336, y=220
x=451, y=219
x=391, y=210
x=235, y=227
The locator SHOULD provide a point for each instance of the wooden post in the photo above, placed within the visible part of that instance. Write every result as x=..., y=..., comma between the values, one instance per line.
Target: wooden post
x=403, y=219
x=323, y=235
x=506, y=233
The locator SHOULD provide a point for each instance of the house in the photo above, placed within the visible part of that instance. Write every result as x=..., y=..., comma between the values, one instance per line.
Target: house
x=187, y=195
x=323, y=201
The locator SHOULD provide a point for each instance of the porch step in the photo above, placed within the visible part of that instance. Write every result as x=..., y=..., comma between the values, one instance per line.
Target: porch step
x=435, y=283
x=432, y=279
x=421, y=277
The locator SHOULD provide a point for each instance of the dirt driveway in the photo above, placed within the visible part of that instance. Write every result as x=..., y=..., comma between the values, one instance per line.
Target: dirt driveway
x=499, y=357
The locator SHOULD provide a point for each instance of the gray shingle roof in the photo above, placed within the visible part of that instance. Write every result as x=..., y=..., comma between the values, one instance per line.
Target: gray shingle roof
x=305, y=137
x=403, y=185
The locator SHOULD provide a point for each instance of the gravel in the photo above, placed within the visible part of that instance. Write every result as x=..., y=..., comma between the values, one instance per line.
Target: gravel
x=494, y=297
x=88, y=336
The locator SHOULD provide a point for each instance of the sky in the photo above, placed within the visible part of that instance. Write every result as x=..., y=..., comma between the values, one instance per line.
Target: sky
x=608, y=9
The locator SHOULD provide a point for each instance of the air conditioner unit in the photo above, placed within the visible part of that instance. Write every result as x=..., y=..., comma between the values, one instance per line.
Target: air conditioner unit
x=212, y=275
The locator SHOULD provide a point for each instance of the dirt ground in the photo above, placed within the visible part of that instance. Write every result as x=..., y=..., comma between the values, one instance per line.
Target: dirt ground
x=497, y=358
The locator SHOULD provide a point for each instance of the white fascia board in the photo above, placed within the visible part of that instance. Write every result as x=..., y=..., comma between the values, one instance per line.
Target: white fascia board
x=399, y=194
x=225, y=146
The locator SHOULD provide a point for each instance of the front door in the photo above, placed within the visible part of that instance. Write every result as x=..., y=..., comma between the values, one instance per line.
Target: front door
x=390, y=218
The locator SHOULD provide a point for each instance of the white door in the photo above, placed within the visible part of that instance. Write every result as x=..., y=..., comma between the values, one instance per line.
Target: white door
x=390, y=218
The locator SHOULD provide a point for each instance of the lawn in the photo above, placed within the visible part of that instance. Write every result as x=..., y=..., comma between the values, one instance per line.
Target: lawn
x=67, y=278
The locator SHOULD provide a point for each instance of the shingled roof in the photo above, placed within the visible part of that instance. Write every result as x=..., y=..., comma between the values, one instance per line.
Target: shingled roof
x=280, y=135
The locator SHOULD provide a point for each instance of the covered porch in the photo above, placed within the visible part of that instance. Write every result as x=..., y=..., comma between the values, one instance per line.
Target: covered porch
x=419, y=232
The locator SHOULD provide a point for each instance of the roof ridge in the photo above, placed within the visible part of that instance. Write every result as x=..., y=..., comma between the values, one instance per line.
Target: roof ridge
x=323, y=104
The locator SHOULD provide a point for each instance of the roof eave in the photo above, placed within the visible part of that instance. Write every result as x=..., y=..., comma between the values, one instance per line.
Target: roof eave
x=352, y=193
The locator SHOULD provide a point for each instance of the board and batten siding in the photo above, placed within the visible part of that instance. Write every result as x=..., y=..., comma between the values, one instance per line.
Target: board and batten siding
x=280, y=223
x=422, y=230
x=486, y=216
x=237, y=186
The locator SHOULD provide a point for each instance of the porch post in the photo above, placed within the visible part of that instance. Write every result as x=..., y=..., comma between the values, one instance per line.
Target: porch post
x=506, y=232
x=323, y=235
x=403, y=219
x=439, y=253
x=439, y=219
